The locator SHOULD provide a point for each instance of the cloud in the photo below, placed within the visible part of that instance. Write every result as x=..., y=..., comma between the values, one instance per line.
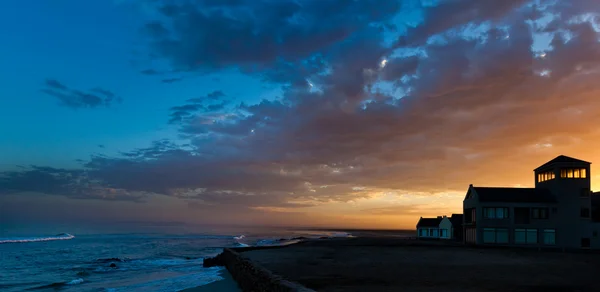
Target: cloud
x=208, y=105
x=459, y=108
x=171, y=80
x=256, y=35
x=73, y=98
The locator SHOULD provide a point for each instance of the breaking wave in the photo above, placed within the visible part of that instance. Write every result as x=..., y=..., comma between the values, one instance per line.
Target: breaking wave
x=61, y=236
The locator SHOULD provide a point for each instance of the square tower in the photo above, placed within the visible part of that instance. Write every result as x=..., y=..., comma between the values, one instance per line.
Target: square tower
x=568, y=179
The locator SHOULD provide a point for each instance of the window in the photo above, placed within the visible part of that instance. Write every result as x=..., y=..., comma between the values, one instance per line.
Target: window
x=573, y=173
x=501, y=235
x=550, y=236
x=522, y=215
x=585, y=192
x=526, y=236
x=495, y=235
x=495, y=213
x=544, y=176
x=539, y=213
x=443, y=232
x=585, y=213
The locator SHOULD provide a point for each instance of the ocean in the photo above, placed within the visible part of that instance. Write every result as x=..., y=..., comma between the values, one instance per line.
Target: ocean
x=125, y=261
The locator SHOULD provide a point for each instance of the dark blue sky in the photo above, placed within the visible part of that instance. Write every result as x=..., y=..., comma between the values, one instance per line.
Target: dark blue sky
x=310, y=112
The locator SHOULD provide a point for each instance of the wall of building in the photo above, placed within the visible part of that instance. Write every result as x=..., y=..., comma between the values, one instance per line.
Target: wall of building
x=595, y=235
x=446, y=225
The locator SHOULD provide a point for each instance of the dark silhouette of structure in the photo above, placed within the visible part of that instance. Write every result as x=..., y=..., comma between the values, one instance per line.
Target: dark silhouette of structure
x=560, y=211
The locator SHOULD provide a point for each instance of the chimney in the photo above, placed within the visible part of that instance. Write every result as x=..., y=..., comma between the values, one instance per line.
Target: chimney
x=471, y=185
x=439, y=217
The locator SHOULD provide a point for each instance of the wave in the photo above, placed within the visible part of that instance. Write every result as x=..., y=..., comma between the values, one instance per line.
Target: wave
x=110, y=260
x=61, y=236
x=58, y=285
x=239, y=237
x=175, y=283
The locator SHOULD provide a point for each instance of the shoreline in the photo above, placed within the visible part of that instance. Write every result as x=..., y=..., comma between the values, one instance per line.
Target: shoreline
x=227, y=284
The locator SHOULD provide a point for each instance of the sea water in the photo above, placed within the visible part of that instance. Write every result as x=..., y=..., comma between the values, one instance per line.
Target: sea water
x=123, y=261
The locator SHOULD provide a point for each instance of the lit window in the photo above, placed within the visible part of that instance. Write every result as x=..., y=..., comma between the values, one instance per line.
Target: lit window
x=563, y=173
x=576, y=173
x=569, y=173
x=583, y=173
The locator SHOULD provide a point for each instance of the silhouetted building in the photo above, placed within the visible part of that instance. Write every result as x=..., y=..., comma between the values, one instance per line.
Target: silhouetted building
x=559, y=212
x=429, y=227
x=457, y=226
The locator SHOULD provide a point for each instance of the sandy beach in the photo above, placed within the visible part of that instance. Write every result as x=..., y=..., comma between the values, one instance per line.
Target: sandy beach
x=388, y=264
x=225, y=285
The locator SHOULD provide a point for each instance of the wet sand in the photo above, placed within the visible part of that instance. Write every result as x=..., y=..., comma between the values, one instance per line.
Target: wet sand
x=225, y=285
x=391, y=264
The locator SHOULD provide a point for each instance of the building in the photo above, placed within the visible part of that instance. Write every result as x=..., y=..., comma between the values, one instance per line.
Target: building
x=560, y=211
x=451, y=227
x=446, y=228
x=429, y=227
x=457, y=226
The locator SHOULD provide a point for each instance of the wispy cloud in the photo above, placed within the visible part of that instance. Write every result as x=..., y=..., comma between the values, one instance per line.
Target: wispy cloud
x=74, y=98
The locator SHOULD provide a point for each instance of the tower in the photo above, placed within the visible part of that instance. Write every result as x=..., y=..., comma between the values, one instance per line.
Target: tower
x=569, y=181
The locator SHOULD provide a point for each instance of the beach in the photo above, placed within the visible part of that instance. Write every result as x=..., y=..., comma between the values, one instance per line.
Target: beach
x=392, y=264
x=225, y=285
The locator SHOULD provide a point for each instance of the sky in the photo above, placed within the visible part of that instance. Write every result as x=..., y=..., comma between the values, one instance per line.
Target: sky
x=328, y=113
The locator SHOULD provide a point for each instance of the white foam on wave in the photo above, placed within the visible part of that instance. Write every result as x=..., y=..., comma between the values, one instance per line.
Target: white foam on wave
x=239, y=237
x=62, y=236
x=75, y=282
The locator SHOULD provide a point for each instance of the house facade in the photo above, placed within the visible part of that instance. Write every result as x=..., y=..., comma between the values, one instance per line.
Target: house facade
x=429, y=227
x=557, y=212
x=442, y=227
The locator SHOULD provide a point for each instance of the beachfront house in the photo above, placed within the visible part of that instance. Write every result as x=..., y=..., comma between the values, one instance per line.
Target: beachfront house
x=451, y=227
x=560, y=211
x=429, y=227
x=446, y=228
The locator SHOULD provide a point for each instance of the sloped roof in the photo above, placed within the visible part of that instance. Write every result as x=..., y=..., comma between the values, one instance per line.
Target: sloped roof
x=562, y=159
x=429, y=222
x=514, y=195
x=456, y=219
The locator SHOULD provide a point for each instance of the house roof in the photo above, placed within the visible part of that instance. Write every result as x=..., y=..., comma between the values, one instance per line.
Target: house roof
x=429, y=222
x=562, y=159
x=456, y=219
x=514, y=195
